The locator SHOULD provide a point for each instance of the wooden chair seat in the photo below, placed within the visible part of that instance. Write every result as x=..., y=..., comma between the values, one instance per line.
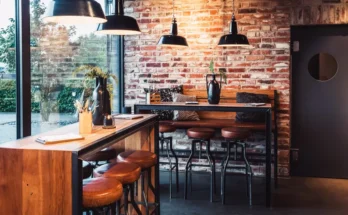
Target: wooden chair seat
x=126, y=173
x=104, y=155
x=235, y=133
x=200, y=133
x=144, y=159
x=87, y=169
x=99, y=192
x=166, y=128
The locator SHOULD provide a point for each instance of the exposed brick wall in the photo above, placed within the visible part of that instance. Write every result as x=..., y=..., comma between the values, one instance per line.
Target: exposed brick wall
x=264, y=65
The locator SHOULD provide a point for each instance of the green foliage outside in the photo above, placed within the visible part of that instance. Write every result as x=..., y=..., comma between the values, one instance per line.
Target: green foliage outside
x=8, y=97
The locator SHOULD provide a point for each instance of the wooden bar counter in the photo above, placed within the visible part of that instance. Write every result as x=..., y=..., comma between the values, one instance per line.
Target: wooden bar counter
x=47, y=179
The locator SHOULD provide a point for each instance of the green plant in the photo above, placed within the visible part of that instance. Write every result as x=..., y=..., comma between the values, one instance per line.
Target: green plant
x=92, y=72
x=222, y=71
x=66, y=99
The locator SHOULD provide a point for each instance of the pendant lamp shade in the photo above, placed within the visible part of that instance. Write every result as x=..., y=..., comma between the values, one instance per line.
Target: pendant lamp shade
x=75, y=12
x=119, y=24
x=173, y=39
x=233, y=38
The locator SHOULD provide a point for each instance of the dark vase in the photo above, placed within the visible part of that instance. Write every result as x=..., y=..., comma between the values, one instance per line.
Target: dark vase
x=101, y=98
x=213, y=89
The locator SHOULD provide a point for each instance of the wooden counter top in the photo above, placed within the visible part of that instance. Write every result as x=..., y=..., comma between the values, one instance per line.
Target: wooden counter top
x=98, y=135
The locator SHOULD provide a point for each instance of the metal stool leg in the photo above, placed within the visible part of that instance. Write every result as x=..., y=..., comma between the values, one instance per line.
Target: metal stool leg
x=248, y=173
x=223, y=173
x=132, y=200
x=170, y=170
x=143, y=192
x=212, y=166
x=125, y=196
x=176, y=163
x=187, y=167
x=118, y=211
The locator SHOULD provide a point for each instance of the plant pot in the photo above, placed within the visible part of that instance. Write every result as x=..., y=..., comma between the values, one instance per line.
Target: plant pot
x=45, y=110
x=213, y=89
x=101, y=98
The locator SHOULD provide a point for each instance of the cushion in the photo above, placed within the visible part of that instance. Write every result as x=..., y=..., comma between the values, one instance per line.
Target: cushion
x=251, y=98
x=166, y=96
x=184, y=115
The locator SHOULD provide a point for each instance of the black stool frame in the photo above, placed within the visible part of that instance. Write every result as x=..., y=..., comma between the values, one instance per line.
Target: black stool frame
x=248, y=170
x=169, y=143
x=211, y=163
x=149, y=184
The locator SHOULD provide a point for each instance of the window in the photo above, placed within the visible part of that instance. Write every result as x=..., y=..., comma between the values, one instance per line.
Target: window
x=7, y=71
x=56, y=52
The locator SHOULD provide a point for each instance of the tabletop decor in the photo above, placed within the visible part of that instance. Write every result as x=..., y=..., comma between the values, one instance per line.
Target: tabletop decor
x=213, y=86
x=101, y=95
x=85, y=117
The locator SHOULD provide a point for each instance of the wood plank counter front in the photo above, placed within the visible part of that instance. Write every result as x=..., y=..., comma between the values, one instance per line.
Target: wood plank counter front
x=47, y=179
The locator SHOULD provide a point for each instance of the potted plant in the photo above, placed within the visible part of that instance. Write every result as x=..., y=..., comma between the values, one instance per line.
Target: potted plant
x=101, y=96
x=213, y=86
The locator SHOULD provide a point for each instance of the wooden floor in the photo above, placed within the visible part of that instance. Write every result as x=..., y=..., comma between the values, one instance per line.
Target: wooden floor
x=295, y=196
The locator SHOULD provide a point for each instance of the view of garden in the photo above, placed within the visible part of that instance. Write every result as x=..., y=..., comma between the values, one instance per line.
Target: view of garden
x=56, y=51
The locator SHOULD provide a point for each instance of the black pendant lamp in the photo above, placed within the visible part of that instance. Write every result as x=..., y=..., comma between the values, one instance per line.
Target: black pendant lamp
x=173, y=39
x=119, y=24
x=233, y=38
x=75, y=12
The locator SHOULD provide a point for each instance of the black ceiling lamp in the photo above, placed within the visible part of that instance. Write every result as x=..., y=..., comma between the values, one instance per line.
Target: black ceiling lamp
x=119, y=24
x=233, y=38
x=75, y=12
x=173, y=39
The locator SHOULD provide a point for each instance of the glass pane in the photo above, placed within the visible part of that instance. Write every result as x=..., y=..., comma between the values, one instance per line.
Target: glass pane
x=322, y=67
x=7, y=71
x=57, y=51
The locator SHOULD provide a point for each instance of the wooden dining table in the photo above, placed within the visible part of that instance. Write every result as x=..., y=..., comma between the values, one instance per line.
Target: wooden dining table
x=226, y=107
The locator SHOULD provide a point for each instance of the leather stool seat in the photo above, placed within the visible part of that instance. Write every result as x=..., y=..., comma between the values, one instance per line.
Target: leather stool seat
x=200, y=133
x=126, y=173
x=87, y=169
x=103, y=155
x=166, y=128
x=99, y=192
x=144, y=159
x=235, y=133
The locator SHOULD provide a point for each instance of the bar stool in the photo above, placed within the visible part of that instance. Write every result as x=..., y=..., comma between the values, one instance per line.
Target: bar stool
x=100, y=194
x=106, y=155
x=146, y=160
x=236, y=136
x=127, y=174
x=200, y=135
x=167, y=128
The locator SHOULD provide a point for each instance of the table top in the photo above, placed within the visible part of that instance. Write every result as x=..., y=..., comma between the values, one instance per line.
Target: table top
x=98, y=134
x=206, y=104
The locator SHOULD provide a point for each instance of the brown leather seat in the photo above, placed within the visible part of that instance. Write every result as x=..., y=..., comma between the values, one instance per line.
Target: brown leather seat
x=126, y=173
x=103, y=155
x=144, y=159
x=87, y=169
x=235, y=133
x=200, y=133
x=166, y=128
x=98, y=192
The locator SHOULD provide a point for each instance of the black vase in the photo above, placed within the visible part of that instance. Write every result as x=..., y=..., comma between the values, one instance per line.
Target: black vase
x=101, y=98
x=213, y=89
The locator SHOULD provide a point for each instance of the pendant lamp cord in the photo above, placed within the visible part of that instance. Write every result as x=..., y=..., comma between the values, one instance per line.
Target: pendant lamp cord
x=173, y=9
x=233, y=7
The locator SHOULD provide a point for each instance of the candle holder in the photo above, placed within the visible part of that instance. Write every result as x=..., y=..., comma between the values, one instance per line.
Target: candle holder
x=109, y=122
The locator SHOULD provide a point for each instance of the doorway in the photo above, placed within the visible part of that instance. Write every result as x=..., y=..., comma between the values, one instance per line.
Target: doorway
x=319, y=97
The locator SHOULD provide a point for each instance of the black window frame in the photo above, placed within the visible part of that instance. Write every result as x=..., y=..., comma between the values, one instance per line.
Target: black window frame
x=23, y=68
